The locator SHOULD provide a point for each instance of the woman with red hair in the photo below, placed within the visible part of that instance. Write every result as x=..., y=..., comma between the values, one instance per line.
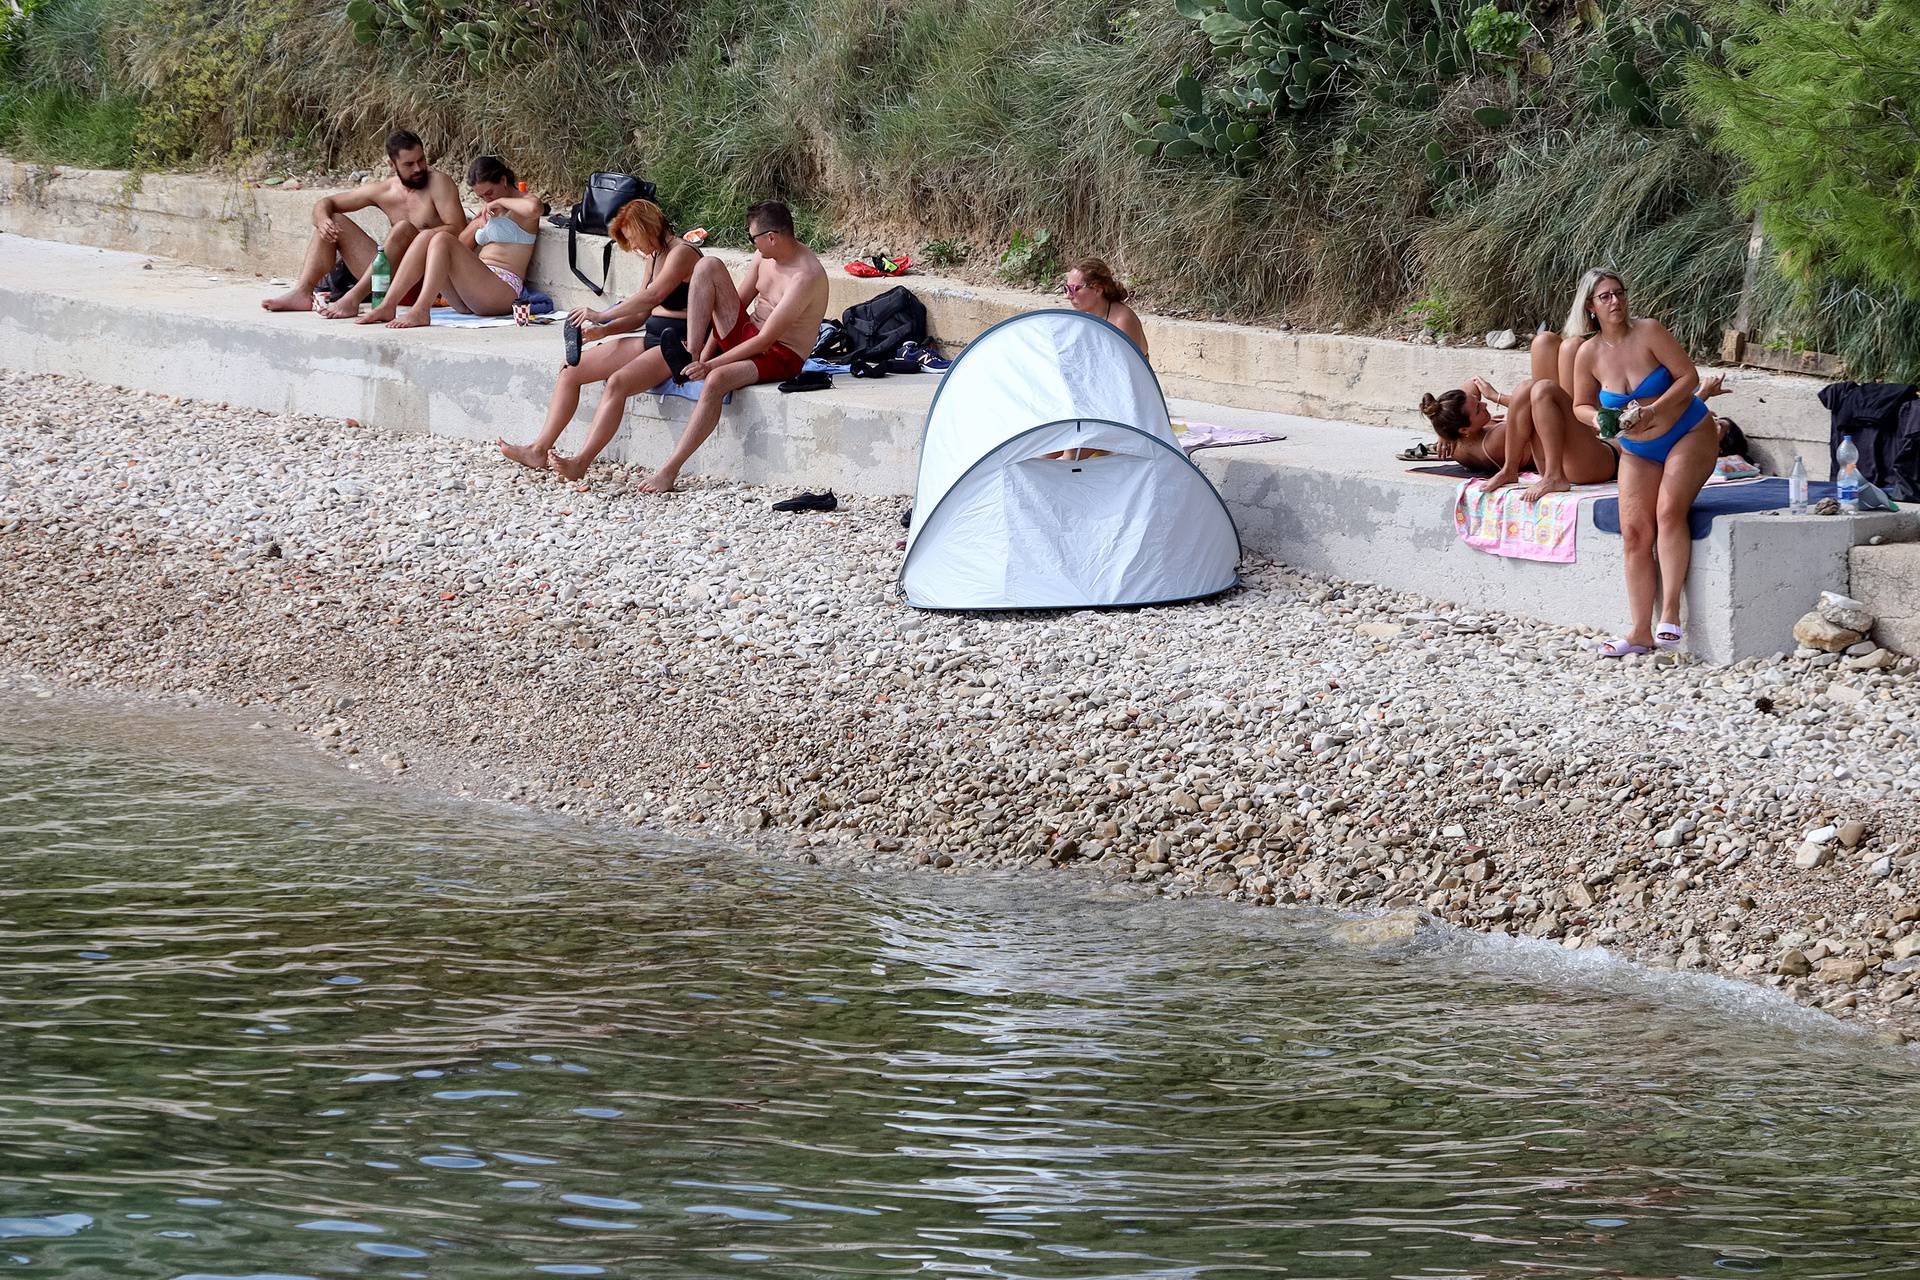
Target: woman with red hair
x=1091, y=288
x=658, y=309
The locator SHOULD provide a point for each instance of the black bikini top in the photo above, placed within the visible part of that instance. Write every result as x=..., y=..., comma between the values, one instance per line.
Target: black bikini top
x=677, y=300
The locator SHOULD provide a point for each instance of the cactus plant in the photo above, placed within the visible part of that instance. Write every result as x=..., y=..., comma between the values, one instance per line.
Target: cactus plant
x=486, y=34
x=1188, y=126
x=1638, y=67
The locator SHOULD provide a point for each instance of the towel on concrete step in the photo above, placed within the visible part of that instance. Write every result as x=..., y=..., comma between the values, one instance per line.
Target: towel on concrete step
x=691, y=390
x=1506, y=524
x=1720, y=498
x=1211, y=435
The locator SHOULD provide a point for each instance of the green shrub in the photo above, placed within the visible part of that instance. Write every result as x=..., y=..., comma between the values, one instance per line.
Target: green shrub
x=60, y=97
x=942, y=252
x=58, y=126
x=1436, y=313
x=1479, y=153
x=1029, y=259
x=1497, y=32
x=1818, y=101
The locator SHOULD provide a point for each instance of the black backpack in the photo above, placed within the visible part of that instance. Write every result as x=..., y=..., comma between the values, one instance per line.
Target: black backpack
x=874, y=329
x=339, y=282
x=606, y=195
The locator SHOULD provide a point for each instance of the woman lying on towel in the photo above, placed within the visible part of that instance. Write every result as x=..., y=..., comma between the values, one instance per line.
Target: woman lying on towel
x=660, y=308
x=1539, y=432
x=479, y=270
x=1635, y=368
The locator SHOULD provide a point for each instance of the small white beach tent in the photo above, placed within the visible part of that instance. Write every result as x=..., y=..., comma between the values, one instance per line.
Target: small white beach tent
x=997, y=525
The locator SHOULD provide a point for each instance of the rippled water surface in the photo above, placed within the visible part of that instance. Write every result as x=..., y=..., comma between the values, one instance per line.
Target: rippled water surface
x=276, y=1024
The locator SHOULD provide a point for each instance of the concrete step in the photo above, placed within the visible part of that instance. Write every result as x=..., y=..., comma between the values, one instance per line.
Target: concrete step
x=1329, y=498
x=1887, y=580
x=214, y=221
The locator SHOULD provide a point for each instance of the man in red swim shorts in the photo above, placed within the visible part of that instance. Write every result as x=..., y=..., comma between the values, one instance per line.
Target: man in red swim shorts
x=757, y=331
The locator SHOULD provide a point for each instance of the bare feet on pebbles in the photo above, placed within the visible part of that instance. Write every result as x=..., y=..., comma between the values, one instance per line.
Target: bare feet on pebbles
x=573, y=468
x=661, y=481
x=526, y=455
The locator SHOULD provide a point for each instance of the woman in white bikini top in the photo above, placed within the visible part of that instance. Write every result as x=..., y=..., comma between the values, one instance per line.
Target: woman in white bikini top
x=480, y=270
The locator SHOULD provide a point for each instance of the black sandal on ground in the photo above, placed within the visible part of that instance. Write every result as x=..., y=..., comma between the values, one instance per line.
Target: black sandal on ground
x=809, y=502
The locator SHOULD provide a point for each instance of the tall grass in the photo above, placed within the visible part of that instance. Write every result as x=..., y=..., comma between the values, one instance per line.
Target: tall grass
x=889, y=123
x=1651, y=206
x=60, y=100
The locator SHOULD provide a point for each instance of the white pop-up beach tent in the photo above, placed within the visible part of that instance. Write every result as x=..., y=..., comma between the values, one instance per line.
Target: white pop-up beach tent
x=999, y=525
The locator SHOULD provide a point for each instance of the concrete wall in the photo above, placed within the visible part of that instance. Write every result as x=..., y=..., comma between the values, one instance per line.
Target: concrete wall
x=1887, y=580
x=174, y=331
x=215, y=221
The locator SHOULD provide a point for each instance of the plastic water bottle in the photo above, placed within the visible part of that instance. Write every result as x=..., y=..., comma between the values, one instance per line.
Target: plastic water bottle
x=1797, y=486
x=1847, y=458
x=382, y=273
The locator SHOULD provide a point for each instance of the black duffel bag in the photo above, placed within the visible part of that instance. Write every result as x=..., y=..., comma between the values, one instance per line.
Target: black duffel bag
x=873, y=330
x=606, y=195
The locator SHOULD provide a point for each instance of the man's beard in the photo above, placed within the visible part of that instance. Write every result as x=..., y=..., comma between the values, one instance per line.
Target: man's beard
x=418, y=182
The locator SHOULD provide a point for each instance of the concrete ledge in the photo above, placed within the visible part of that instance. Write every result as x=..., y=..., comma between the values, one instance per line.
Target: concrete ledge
x=1354, y=515
x=214, y=221
x=172, y=329
x=1329, y=497
x=1887, y=580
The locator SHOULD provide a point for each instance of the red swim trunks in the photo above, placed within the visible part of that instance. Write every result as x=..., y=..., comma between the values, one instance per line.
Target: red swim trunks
x=776, y=364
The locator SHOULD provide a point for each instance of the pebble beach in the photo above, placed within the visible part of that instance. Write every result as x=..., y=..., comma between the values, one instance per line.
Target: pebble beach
x=422, y=610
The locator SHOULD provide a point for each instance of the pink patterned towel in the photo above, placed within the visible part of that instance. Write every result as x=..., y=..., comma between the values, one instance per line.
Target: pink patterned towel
x=1506, y=524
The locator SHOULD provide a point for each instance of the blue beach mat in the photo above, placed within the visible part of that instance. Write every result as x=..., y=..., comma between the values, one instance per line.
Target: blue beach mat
x=1717, y=500
x=692, y=390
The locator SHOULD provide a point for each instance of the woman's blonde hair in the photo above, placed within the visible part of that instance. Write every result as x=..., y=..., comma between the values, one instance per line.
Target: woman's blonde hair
x=1096, y=273
x=638, y=224
x=1580, y=322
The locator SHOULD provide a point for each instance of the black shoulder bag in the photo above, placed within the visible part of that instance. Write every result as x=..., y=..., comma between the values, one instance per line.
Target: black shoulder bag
x=606, y=194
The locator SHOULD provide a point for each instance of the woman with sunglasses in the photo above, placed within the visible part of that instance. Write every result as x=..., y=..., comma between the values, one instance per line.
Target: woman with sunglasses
x=1669, y=440
x=1091, y=288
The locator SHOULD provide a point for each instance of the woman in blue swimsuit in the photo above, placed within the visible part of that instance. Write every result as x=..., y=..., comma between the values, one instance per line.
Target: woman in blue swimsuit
x=1669, y=442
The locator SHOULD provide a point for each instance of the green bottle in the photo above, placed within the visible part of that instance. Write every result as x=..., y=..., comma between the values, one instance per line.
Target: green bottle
x=382, y=273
